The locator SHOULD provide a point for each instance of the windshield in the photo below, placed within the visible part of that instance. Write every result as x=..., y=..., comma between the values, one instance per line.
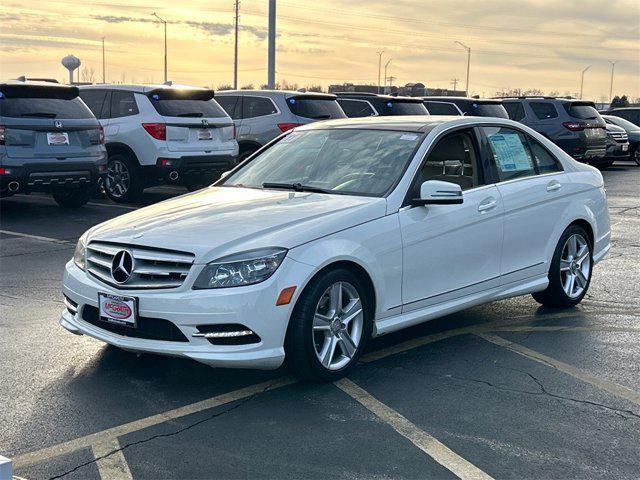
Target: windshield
x=488, y=110
x=621, y=122
x=350, y=162
x=404, y=108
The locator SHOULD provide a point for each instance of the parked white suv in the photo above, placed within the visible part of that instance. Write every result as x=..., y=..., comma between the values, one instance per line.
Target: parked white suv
x=161, y=133
x=339, y=231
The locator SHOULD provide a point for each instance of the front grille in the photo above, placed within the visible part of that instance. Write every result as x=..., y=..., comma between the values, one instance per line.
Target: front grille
x=620, y=137
x=152, y=267
x=146, y=328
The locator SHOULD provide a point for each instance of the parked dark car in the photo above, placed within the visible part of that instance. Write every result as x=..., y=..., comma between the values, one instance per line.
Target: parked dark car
x=631, y=114
x=49, y=142
x=573, y=125
x=477, y=107
x=633, y=132
x=357, y=104
x=617, y=143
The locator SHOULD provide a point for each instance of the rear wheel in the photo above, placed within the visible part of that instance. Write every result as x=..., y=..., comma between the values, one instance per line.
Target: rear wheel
x=635, y=155
x=570, y=271
x=71, y=198
x=123, y=182
x=330, y=326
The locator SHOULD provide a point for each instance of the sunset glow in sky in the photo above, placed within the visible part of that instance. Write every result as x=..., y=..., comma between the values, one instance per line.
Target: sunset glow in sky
x=524, y=44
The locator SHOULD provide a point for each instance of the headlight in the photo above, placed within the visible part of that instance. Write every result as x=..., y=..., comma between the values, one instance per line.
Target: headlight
x=245, y=268
x=80, y=252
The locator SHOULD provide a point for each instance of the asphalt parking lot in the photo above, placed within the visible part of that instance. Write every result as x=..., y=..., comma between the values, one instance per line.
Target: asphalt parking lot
x=505, y=390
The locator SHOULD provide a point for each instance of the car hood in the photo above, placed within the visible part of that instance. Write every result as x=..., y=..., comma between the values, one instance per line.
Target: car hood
x=218, y=221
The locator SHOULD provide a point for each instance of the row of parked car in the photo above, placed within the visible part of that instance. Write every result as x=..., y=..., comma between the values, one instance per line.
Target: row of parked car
x=64, y=140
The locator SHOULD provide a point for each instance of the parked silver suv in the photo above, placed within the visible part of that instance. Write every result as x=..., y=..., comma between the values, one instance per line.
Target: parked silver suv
x=262, y=115
x=49, y=142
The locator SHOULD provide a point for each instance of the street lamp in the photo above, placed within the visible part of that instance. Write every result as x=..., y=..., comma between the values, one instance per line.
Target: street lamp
x=379, y=67
x=165, y=44
x=468, y=49
x=385, y=75
x=582, y=80
x=613, y=66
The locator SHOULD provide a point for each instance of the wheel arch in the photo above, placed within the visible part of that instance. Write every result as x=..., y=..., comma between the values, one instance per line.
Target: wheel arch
x=587, y=227
x=115, y=148
x=248, y=145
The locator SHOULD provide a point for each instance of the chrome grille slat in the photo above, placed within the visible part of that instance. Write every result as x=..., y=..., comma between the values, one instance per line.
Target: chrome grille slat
x=152, y=268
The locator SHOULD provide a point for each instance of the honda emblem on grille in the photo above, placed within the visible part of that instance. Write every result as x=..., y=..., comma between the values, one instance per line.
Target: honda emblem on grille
x=205, y=123
x=58, y=124
x=122, y=266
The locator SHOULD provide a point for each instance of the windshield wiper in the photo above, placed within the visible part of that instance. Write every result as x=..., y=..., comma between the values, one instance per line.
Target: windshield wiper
x=296, y=187
x=39, y=115
x=194, y=114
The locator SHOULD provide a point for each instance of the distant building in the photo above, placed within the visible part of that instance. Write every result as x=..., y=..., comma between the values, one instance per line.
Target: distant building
x=410, y=90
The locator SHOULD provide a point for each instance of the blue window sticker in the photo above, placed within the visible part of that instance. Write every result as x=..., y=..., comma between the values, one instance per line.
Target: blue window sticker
x=389, y=104
x=155, y=96
x=292, y=101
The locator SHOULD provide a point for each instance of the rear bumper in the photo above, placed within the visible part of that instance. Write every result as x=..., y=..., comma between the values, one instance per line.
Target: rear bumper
x=47, y=176
x=206, y=168
x=583, y=150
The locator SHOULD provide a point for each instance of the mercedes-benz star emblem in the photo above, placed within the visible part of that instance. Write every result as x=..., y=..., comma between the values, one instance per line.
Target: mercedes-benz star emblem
x=58, y=124
x=122, y=266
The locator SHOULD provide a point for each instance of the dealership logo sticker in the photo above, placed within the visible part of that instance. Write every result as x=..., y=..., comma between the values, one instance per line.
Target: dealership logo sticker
x=116, y=309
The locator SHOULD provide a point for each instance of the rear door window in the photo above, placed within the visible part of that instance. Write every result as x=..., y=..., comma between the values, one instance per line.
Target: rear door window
x=356, y=108
x=510, y=153
x=123, y=104
x=315, y=108
x=545, y=162
x=257, y=107
x=441, y=108
x=544, y=110
x=232, y=104
x=515, y=110
x=96, y=101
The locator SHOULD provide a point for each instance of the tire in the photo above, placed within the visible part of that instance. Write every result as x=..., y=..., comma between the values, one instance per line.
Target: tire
x=72, y=198
x=315, y=332
x=565, y=265
x=123, y=182
x=246, y=152
x=192, y=187
x=635, y=155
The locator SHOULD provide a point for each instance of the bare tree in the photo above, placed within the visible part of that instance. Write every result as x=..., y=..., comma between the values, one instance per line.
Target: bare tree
x=314, y=88
x=225, y=86
x=88, y=75
x=248, y=86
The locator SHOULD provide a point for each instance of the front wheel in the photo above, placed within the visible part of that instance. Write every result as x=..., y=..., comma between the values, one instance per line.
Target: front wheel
x=329, y=327
x=570, y=271
x=71, y=198
x=635, y=155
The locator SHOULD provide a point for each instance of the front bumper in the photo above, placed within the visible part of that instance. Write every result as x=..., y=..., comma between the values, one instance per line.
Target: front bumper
x=252, y=306
x=618, y=150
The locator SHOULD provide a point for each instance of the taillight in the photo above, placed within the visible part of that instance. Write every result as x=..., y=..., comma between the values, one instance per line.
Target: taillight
x=575, y=126
x=100, y=139
x=288, y=126
x=2, y=130
x=156, y=130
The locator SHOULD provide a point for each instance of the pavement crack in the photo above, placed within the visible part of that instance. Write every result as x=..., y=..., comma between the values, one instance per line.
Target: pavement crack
x=163, y=435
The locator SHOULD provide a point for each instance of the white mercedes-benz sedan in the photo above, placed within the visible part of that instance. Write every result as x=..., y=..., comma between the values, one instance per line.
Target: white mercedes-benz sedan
x=339, y=231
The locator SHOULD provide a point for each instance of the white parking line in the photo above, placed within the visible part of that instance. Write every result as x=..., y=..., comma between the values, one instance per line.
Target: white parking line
x=93, y=204
x=421, y=439
x=104, y=436
x=35, y=237
x=113, y=466
x=609, y=386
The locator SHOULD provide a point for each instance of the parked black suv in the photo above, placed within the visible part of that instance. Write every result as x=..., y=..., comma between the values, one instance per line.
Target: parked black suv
x=573, y=125
x=477, y=107
x=358, y=104
x=632, y=114
x=49, y=142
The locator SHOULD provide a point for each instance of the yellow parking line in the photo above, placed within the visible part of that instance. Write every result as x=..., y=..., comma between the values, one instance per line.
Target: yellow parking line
x=64, y=448
x=421, y=439
x=559, y=328
x=113, y=466
x=609, y=386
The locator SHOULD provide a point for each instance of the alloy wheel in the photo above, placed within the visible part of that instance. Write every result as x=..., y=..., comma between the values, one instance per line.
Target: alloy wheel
x=118, y=179
x=575, y=265
x=636, y=155
x=338, y=325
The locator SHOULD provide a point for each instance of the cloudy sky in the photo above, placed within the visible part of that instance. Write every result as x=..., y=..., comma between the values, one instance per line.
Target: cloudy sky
x=524, y=44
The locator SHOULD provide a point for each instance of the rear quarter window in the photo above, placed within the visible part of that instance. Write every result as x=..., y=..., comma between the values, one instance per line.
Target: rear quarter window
x=315, y=108
x=583, y=112
x=544, y=110
x=515, y=110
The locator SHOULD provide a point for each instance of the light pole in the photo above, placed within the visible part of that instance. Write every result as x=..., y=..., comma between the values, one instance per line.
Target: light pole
x=385, y=75
x=468, y=49
x=165, y=44
x=235, y=46
x=271, y=54
x=613, y=66
x=582, y=80
x=379, y=67
x=103, y=64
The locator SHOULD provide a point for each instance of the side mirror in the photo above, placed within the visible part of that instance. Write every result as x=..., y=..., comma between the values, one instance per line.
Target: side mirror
x=437, y=192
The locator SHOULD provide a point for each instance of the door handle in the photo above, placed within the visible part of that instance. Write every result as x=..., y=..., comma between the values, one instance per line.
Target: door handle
x=487, y=204
x=553, y=186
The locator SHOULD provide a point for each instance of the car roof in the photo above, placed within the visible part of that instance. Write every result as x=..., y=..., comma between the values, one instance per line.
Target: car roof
x=138, y=88
x=467, y=99
x=275, y=93
x=372, y=96
x=409, y=123
x=34, y=83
